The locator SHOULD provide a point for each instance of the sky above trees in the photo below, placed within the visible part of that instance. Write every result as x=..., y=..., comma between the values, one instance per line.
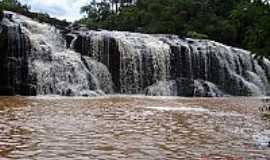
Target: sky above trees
x=62, y=9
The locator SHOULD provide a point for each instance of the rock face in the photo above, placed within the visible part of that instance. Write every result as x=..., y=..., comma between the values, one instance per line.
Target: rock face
x=35, y=61
x=1, y=14
x=15, y=48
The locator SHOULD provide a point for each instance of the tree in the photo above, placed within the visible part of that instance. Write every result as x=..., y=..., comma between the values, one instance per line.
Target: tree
x=90, y=10
x=97, y=11
x=252, y=20
x=13, y=5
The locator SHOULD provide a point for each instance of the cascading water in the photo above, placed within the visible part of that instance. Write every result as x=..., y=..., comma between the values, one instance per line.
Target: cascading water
x=56, y=69
x=122, y=62
x=184, y=87
x=137, y=60
x=169, y=66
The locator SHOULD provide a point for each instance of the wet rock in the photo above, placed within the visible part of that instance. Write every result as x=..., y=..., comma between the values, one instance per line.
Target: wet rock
x=1, y=15
x=69, y=92
x=15, y=48
x=69, y=39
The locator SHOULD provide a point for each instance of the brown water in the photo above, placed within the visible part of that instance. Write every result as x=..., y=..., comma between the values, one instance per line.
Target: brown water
x=123, y=127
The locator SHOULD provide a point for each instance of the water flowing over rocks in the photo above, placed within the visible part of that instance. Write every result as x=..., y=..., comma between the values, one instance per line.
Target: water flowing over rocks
x=38, y=59
x=169, y=66
x=184, y=87
x=53, y=68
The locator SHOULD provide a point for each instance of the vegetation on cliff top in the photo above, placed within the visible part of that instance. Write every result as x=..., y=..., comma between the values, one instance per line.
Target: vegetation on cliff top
x=242, y=23
x=15, y=6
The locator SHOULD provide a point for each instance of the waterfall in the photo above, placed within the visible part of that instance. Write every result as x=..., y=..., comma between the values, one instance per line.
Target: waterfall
x=39, y=59
x=163, y=64
x=141, y=59
x=57, y=70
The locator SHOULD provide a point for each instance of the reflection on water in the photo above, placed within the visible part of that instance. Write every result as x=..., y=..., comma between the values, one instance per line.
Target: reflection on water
x=123, y=127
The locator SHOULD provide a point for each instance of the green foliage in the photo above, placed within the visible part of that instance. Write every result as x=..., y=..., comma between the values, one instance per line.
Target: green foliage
x=252, y=21
x=15, y=6
x=196, y=35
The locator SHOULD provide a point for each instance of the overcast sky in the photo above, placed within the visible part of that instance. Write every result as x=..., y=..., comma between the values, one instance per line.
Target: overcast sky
x=62, y=9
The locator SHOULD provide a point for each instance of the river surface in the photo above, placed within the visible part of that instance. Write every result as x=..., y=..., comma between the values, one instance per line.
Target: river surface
x=133, y=127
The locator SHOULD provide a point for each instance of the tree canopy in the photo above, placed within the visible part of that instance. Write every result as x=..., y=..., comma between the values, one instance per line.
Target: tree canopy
x=12, y=5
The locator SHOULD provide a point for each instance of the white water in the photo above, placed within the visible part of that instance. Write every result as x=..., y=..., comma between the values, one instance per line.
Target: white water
x=144, y=59
x=59, y=70
x=134, y=63
x=156, y=62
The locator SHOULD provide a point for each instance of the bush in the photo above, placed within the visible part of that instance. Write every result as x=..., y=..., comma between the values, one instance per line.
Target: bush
x=196, y=35
x=13, y=5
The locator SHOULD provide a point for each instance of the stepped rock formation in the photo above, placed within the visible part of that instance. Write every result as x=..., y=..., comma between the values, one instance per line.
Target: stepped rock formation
x=37, y=59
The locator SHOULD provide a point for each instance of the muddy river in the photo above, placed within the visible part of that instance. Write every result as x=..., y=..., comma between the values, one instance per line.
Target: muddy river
x=133, y=127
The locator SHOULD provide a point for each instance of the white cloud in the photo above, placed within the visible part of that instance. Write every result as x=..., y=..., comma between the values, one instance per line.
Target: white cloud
x=62, y=9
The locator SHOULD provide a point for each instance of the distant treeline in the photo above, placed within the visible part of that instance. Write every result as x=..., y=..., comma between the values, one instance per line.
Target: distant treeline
x=241, y=23
x=15, y=6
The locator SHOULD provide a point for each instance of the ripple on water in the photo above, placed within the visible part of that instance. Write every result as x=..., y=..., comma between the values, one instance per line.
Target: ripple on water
x=135, y=127
x=179, y=109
